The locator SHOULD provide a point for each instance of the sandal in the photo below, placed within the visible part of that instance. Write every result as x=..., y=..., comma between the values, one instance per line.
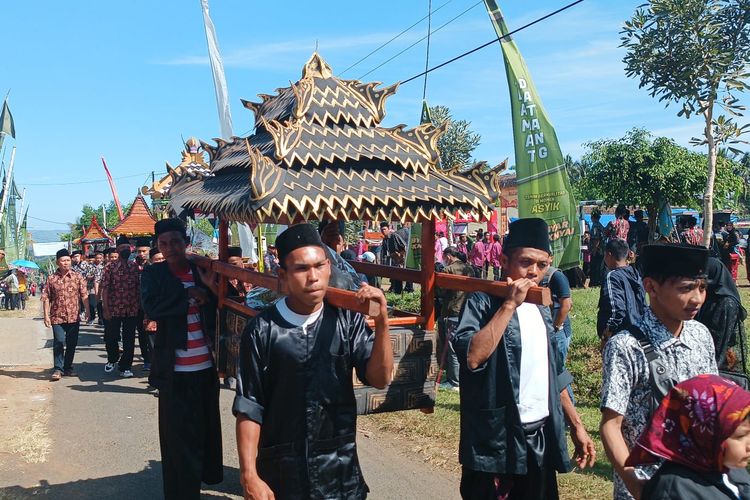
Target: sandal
x=56, y=375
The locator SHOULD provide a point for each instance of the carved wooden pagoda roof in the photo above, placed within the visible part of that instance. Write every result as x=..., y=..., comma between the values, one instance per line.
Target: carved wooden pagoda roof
x=319, y=152
x=137, y=222
x=193, y=163
x=94, y=233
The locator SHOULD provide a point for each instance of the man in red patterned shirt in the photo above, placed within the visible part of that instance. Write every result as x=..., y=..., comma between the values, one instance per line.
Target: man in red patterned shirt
x=120, y=301
x=61, y=299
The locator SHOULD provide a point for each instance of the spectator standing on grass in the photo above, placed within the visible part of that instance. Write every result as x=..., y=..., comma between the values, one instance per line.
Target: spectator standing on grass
x=452, y=301
x=493, y=257
x=393, y=253
x=61, y=298
x=478, y=256
x=120, y=303
x=724, y=316
x=514, y=402
x=638, y=234
x=463, y=244
x=596, y=248
x=666, y=347
x=622, y=299
x=562, y=304
x=620, y=227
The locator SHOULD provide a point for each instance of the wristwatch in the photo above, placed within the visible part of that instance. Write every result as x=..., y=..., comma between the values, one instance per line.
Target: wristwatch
x=558, y=328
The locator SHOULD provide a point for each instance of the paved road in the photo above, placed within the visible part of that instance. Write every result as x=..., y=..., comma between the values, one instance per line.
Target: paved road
x=97, y=434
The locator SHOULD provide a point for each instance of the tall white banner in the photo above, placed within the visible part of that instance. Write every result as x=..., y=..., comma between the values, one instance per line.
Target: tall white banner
x=220, y=81
x=247, y=241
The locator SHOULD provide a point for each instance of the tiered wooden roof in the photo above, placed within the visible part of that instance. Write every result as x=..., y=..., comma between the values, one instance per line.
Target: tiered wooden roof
x=193, y=163
x=94, y=233
x=319, y=152
x=137, y=222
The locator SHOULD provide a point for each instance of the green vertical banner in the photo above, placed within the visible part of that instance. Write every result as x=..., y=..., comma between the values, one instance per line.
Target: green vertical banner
x=543, y=184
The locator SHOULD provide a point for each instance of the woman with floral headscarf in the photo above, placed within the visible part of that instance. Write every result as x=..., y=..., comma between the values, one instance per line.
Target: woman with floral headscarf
x=701, y=431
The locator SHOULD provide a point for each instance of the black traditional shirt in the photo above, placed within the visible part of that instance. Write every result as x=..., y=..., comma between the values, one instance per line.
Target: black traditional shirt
x=492, y=436
x=296, y=382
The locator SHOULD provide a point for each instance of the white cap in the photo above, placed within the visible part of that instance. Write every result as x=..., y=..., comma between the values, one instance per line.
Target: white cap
x=367, y=257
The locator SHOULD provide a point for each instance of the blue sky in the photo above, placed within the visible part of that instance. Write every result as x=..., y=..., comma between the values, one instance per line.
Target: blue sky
x=127, y=79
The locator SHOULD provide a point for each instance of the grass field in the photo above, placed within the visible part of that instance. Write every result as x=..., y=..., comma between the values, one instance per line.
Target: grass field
x=434, y=437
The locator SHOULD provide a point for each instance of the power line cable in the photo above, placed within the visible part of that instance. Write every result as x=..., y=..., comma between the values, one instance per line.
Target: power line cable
x=51, y=221
x=566, y=7
x=392, y=39
x=419, y=41
x=81, y=182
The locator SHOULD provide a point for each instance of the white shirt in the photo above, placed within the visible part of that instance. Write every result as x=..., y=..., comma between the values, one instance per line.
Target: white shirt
x=533, y=393
x=303, y=320
x=443, y=242
x=729, y=484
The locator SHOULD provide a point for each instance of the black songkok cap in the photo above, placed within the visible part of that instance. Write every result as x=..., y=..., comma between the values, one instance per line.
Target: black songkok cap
x=234, y=252
x=527, y=233
x=122, y=240
x=153, y=252
x=171, y=224
x=674, y=260
x=110, y=250
x=298, y=236
x=76, y=252
x=63, y=252
x=143, y=242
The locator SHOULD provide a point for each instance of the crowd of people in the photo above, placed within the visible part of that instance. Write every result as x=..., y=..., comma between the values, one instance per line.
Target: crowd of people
x=294, y=403
x=15, y=288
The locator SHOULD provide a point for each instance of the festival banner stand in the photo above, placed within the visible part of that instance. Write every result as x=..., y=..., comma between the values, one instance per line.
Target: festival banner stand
x=543, y=184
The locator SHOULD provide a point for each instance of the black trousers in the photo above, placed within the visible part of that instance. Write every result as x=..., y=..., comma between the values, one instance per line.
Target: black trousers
x=64, y=345
x=143, y=341
x=100, y=312
x=112, y=330
x=539, y=482
x=190, y=434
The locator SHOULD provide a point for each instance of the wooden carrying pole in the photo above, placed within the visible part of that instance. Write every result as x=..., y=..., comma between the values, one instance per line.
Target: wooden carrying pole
x=537, y=295
x=338, y=298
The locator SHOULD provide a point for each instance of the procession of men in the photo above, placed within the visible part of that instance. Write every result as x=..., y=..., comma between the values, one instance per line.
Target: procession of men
x=505, y=356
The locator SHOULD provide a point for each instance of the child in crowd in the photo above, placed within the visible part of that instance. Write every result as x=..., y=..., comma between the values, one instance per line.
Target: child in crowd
x=702, y=431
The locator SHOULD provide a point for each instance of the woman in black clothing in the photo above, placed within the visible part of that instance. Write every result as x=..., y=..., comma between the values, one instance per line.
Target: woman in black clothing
x=723, y=315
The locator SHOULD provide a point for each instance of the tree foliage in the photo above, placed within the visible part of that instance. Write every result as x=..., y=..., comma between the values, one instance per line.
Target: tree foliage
x=458, y=142
x=87, y=213
x=641, y=170
x=694, y=53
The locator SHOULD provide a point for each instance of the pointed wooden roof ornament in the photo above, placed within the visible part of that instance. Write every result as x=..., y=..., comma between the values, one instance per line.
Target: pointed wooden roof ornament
x=137, y=222
x=319, y=152
x=193, y=163
x=94, y=233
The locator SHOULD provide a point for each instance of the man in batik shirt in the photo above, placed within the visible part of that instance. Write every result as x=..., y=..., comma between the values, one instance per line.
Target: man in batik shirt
x=61, y=298
x=674, y=278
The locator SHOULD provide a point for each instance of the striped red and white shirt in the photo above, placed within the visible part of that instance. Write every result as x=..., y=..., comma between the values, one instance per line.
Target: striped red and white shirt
x=197, y=356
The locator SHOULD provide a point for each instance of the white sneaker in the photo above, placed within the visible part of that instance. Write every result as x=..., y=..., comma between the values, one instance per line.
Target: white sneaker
x=109, y=367
x=126, y=374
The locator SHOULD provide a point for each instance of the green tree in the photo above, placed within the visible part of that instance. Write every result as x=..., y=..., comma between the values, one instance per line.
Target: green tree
x=87, y=213
x=458, y=142
x=694, y=53
x=641, y=170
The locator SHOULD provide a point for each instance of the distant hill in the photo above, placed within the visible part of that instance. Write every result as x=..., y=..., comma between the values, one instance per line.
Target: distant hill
x=46, y=235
